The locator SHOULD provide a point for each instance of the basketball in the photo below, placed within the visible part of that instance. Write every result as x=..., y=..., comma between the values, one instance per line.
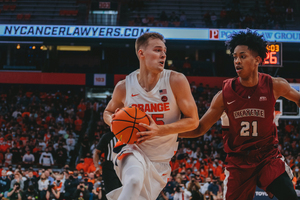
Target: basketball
x=125, y=124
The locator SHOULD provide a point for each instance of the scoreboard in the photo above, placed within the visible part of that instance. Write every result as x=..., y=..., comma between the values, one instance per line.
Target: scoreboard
x=274, y=55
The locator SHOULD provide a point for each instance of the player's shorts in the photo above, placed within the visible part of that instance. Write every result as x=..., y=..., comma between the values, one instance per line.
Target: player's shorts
x=156, y=173
x=244, y=172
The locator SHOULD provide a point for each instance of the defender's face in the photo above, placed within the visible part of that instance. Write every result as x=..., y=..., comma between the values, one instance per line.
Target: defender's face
x=154, y=55
x=245, y=62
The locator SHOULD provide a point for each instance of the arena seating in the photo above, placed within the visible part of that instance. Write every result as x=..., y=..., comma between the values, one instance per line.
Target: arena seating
x=39, y=12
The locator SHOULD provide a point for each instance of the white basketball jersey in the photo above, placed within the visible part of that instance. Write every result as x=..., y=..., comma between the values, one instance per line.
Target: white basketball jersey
x=161, y=105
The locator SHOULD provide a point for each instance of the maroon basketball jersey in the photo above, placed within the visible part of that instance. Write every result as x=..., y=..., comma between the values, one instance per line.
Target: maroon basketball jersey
x=251, y=123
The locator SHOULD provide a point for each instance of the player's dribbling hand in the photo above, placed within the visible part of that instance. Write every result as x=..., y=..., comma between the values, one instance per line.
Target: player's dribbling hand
x=152, y=130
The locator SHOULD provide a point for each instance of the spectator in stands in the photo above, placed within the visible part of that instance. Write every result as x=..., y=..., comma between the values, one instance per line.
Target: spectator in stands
x=163, y=16
x=213, y=187
x=17, y=179
x=30, y=193
x=46, y=159
x=207, y=195
x=87, y=183
x=8, y=158
x=16, y=113
x=82, y=192
x=52, y=192
x=181, y=193
x=61, y=155
x=173, y=17
x=31, y=181
x=60, y=120
x=43, y=185
x=194, y=188
x=183, y=19
x=15, y=192
x=145, y=20
x=81, y=165
x=4, y=182
x=70, y=186
x=214, y=20
x=59, y=183
x=28, y=159
x=207, y=19
x=204, y=188
x=78, y=125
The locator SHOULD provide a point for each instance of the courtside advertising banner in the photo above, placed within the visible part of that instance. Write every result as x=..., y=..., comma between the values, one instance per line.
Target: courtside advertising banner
x=100, y=79
x=122, y=32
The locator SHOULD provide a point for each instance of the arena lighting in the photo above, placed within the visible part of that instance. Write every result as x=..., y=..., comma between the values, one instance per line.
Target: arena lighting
x=228, y=51
x=18, y=46
x=41, y=47
x=73, y=48
x=33, y=47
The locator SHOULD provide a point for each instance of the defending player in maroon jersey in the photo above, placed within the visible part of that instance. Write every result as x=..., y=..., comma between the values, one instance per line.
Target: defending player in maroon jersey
x=250, y=140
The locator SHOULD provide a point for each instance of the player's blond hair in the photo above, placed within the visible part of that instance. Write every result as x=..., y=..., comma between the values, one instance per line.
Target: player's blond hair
x=142, y=41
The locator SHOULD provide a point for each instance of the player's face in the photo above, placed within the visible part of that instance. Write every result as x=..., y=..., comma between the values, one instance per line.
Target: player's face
x=154, y=54
x=245, y=62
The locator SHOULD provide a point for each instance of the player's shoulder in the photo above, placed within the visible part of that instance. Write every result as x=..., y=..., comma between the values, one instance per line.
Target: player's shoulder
x=121, y=86
x=177, y=77
x=280, y=84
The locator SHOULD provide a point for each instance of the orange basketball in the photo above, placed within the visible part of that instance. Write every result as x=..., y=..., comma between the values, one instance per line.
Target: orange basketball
x=125, y=124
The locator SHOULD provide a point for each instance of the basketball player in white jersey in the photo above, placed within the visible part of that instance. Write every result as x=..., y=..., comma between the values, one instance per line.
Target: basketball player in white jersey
x=143, y=168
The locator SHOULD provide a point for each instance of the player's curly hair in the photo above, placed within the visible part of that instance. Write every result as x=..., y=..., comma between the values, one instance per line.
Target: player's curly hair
x=252, y=39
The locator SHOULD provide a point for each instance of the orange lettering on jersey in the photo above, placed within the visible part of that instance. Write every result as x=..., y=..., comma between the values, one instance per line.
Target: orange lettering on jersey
x=153, y=107
x=147, y=108
x=166, y=107
x=141, y=106
x=160, y=107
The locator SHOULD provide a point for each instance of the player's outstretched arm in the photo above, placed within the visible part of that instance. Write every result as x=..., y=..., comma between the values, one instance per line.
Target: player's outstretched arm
x=211, y=116
x=186, y=103
x=282, y=88
x=116, y=102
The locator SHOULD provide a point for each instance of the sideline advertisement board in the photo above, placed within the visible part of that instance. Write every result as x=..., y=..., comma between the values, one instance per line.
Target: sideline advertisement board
x=123, y=32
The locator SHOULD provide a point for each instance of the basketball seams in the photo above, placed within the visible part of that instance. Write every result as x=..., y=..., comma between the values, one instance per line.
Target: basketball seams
x=133, y=126
x=122, y=120
x=128, y=113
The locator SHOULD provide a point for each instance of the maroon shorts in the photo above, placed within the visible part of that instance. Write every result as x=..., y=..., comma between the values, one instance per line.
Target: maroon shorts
x=244, y=172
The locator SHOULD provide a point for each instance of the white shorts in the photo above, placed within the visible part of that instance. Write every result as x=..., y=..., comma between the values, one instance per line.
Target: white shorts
x=156, y=173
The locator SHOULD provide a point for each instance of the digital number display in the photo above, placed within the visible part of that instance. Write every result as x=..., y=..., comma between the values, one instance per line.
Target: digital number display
x=274, y=55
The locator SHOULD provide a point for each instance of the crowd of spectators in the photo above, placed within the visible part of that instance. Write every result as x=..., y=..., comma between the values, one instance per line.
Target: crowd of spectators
x=40, y=134
x=270, y=14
